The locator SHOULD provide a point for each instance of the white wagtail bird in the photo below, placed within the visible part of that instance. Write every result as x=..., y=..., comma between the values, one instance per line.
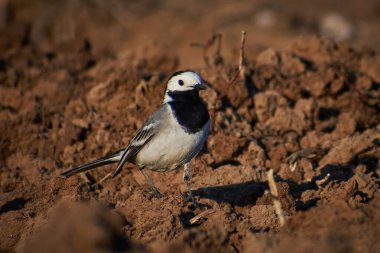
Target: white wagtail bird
x=170, y=137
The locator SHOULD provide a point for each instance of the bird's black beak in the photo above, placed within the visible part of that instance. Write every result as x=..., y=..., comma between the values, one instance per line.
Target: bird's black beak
x=200, y=86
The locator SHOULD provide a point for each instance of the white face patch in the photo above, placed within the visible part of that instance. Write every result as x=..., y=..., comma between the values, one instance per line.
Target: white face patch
x=183, y=82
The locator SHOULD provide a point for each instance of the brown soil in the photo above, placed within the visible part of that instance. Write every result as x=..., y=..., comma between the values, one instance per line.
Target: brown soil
x=310, y=112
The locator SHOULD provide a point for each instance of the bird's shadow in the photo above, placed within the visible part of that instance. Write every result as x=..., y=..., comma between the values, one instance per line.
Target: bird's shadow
x=240, y=194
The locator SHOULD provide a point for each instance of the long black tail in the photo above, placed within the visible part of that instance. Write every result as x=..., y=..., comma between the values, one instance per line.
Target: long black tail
x=112, y=158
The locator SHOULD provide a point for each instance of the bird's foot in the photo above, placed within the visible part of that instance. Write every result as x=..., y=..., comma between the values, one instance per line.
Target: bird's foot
x=190, y=197
x=155, y=193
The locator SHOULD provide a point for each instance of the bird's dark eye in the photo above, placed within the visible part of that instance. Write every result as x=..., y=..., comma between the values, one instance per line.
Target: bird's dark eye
x=180, y=82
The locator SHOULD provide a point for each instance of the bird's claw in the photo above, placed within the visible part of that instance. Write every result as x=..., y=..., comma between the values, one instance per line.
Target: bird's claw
x=190, y=197
x=156, y=193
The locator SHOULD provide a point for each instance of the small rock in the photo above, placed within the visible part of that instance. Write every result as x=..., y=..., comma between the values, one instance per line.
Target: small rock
x=80, y=123
x=268, y=57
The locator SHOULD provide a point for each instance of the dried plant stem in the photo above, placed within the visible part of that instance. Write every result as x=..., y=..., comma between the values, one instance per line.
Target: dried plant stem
x=240, y=72
x=241, y=69
x=196, y=219
x=319, y=183
x=274, y=194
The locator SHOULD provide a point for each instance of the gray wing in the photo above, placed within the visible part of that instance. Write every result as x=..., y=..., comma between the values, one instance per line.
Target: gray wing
x=147, y=131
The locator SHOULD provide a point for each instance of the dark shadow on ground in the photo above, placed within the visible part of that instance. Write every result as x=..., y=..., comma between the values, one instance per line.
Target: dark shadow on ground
x=13, y=205
x=236, y=194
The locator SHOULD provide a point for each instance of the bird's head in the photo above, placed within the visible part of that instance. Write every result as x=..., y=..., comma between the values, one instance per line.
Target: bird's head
x=187, y=80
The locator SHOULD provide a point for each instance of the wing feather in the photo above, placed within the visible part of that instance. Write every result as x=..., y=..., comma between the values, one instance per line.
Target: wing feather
x=142, y=137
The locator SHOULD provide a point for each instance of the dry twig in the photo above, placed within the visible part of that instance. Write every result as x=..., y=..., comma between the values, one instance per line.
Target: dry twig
x=240, y=72
x=274, y=195
x=319, y=183
x=241, y=69
x=200, y=216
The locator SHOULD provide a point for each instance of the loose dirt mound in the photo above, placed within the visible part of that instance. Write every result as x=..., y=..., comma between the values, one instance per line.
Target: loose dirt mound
x=309, y=112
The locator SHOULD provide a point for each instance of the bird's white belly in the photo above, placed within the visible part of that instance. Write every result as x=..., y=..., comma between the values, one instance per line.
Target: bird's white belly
x=171, y=148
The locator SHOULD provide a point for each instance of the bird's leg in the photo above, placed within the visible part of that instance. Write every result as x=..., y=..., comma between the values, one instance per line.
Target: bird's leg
x=105, y=177
x=186, y=180
x=154, y=189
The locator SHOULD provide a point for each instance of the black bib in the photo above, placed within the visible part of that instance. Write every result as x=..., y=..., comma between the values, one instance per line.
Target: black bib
x=189, y=110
